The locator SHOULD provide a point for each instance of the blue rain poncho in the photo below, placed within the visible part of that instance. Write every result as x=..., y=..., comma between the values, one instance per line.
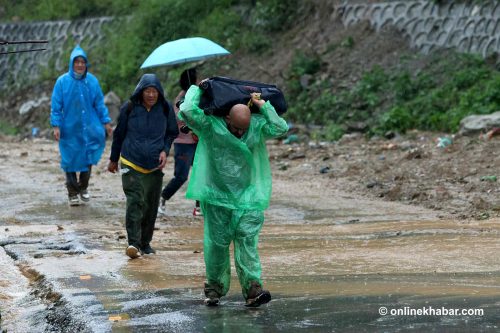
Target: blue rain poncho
x=78, y=110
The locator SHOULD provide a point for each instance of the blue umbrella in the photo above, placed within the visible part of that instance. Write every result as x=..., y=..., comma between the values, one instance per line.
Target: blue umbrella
x=184, y=50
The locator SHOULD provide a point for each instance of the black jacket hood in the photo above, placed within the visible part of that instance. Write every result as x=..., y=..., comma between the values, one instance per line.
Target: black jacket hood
x=148, y=80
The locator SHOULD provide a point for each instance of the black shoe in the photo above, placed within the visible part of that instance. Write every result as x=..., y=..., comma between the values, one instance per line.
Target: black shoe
x=212, y=301
x=73, y=200
x=84, y=195
x=213, y=297
x=257, y=296
x=147, y=250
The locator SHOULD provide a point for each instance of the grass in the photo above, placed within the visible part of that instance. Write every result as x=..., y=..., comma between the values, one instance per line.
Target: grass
x=7, y=129
x=449, y=88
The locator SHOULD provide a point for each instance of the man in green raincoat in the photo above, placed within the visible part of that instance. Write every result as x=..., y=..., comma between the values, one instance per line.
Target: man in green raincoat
x=231, y=178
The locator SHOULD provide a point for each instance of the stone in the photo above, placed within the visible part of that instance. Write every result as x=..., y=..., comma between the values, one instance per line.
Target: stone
x=475, y=124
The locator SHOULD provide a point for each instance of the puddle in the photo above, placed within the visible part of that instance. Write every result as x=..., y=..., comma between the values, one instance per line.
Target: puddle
x=347, y=303
x=330, y=260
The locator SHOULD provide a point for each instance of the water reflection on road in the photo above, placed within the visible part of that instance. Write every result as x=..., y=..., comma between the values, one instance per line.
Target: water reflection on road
x=331, y=261
x=340, y=304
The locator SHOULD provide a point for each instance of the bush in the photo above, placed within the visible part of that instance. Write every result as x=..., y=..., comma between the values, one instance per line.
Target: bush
x=275, y=15
x=7, y=128
x=333, y=132
x=31, y=10
x=436, y=99
x=303, y=63
x=398, y=119
x=154, y=23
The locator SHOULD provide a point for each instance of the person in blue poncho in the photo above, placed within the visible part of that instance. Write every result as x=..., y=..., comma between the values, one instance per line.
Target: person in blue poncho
x=80, y=120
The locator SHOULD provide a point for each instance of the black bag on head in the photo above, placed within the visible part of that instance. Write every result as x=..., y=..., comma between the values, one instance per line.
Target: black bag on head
x=221, y=93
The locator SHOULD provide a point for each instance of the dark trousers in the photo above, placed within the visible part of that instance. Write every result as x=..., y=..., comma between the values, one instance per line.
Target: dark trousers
x=143, y=196
x=184, y=155
x=76, y=184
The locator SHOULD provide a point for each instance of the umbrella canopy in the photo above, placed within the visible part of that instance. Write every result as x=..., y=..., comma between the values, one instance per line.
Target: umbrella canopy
x=184, y=50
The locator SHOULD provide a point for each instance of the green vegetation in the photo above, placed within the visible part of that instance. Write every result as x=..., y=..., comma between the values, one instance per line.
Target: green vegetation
x=239, y=25
x=35, y=10
x=154, y=23
x=7, y=129
x=435, y=99
x=235, y=24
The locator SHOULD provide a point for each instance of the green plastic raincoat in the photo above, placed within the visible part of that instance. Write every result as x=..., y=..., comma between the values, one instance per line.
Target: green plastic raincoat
x=231, y=178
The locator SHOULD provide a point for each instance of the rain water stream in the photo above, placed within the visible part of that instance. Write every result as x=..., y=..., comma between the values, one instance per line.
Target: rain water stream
x=332, y=261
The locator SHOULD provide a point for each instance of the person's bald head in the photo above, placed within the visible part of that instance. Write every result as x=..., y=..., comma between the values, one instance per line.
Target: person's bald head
x=238, y=120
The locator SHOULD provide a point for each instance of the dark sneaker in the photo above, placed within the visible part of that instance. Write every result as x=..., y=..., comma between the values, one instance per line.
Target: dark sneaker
x=257, y=296
x=132, y=252
x=85, y=196
x=213, y=297
x=73, y=200
x=212, y=301
x=147, y=250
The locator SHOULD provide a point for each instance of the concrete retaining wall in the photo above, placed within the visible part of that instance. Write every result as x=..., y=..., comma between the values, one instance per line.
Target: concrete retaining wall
x=465, y=26
x=18, y=68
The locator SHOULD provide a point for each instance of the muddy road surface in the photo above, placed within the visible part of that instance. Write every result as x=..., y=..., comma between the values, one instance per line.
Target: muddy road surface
x=333, y=261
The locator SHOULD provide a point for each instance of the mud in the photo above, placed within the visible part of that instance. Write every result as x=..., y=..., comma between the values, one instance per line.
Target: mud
x=409, y=169
x=331, y=258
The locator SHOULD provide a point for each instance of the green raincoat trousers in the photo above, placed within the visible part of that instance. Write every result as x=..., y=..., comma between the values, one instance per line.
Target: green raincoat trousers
x=231, y=178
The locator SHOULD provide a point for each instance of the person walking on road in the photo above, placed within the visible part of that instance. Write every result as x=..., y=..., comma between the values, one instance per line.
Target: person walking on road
x=184, y=147
x=80, y=121
x=142, y=139
x=232, y=179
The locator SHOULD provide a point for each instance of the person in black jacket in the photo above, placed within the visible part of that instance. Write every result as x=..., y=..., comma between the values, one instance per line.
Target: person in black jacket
x=142, y=139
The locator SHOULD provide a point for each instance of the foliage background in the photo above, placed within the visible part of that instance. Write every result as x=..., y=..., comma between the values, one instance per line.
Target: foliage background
x=395, y=99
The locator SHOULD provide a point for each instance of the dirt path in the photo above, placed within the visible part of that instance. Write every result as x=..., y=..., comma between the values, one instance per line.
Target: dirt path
x=331, y=258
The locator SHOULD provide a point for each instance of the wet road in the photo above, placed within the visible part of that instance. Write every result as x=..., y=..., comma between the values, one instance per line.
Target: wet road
x=332, y=261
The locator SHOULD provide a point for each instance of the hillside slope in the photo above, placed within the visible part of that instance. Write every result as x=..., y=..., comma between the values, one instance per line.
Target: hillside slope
x=345, y=53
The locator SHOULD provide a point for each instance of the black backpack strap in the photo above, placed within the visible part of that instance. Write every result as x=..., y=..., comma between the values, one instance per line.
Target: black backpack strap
x=167, y=108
